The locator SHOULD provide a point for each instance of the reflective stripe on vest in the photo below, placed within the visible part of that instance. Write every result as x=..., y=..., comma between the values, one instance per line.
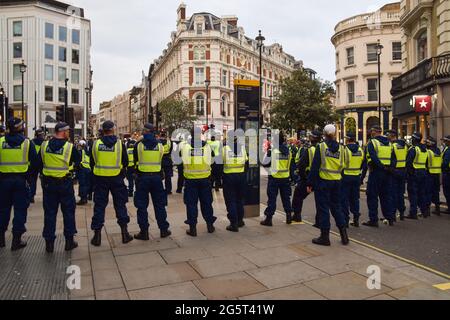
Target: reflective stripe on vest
x=167, y=147
x=149, y=161
x=280, y=165
x=332, y=163
x=434, y=163
x=420, y=161
x=384, y=153
x=130, y=152
x=196, y=162
x=86, y=160
x=56, y=163
x=297, y=156
x=108, y=163
x=353, y=162
x=311, y=153
x=14, y=160
x=401, y=152
x=233, y=163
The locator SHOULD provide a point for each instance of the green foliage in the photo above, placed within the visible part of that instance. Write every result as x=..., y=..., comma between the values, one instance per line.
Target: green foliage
x=177, y=113
x=303, y=104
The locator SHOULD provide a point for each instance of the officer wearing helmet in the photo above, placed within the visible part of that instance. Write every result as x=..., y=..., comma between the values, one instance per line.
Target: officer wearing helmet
x=39, y=137
x=446, y=172
x=434, y=168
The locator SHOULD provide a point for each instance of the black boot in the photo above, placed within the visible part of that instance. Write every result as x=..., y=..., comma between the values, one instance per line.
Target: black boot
x=402, y=216
x=143, y=236
x=427, y=213
x=90, y=197
x=324, y=239
x=411, y=217
x=344, y=236
x=372, y=224
x=70, y=244
x=97, y=239
x=241, y=224
x=437, y=210
x=288, y=218
x=165, y=234
x=17, y=242
x=2, y=240
x=355, y=223
x=32, y=200
x=211, y=228
x=126, y=236
x=82, y=202
x=267, y=222
x=49, y=246
x=192, y=231
x=297, y=217
x=233, y=228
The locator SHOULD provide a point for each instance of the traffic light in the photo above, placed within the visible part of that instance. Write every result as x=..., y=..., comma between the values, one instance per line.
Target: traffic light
x=60, y=113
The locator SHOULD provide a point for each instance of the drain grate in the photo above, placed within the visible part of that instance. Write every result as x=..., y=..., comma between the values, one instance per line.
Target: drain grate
x=32, y=274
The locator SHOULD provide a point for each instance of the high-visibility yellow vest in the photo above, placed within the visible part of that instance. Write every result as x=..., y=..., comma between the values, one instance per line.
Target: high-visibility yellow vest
x=384, y=153
x=401, y=152
x=420, y=161
x=297, y=156
x=85, y=160
x=332, y=163
x=234, y=163
x=38, y=148
x=280, y=165
x=167, y=147
x=196, y=162
x=130, y=152
x=108, y=160
x=434, y=163
x=14, y=159
x=311, y=153
x=56, y=163
x=443, y=154
x=215, y=146
x=353, y=162
x=149, y=161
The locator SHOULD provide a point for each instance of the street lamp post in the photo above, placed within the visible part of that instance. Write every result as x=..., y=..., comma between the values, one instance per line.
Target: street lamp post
x=66, y=99
x=207, y=84
x=86, y=113
x=4, y=107
x=260, y=40
x=23, y=69
x=379, y=52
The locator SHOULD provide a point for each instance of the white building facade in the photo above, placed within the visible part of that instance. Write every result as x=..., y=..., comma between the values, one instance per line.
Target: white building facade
x=53, y=39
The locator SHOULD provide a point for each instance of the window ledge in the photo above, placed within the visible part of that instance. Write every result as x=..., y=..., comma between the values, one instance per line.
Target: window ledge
x=370, y=62
x=350, y=66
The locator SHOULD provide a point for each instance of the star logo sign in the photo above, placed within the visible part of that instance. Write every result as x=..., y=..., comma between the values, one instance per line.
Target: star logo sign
x=424, y=104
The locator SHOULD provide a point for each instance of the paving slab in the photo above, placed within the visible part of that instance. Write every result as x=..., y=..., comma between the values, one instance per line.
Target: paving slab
x=271, y=256
x=139, y=261
x=143, y=247
x=391, y=277
x=422, y=275
x=183, y=254
x=103, y=261
x=296, y=292
x=87, y=288
x=107, y=279
x=178, y=291
x=221, y=265
x=113, y=294
x=420, y=292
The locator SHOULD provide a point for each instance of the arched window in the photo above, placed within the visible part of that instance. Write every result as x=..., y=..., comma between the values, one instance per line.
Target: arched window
x=200, y=105
x=371, y=122
x=199, y=53
x=422, y=46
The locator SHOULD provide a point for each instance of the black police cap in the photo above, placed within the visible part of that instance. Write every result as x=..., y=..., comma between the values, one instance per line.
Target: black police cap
x=391, y=132
x=417, y=135
x=149, y=127
x=108, y=125
x=62, y=126
x=316, y=134
x=431, y=140
x=376, y=129
x=350, y=135
x=446, y=138
x=15, y=124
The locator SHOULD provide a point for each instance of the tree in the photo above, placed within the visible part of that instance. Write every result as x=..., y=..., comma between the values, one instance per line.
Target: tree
x=177, y=113
x=303, y=104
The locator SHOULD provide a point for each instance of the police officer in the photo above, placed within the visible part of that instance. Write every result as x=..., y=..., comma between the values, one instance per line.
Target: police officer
x=180, y=181
x=217, y=167
x=325, y=180
x=84, y=174
x=305, y=156
x=279, y=160
x=379, y=186
x=197, y=157
x=17, y=156
x=234, y=180
x=446, y=172
x=354, y=162
x=109, y=159
x=167, y=163
x=434, y=176
x=149, y=156
x=294, y=151
x=38, y=140
x=130, y=169
x=2, y=130
x=57, y=156
x=416, y=166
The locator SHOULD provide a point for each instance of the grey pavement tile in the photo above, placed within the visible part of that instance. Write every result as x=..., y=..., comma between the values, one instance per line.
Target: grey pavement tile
x=178, y=291
x=271, y=256
x=144, y=246
x=304, y=251
x=422, y=275
x=139, y=261
x=103, y=261
x=390, y=277
x=221, y=265
x=159, y=276
x=295, y=292
x=107, y=279
x=420, y=292
x=80, y=253
x=345, y=286
x=85, y=266
x=377, y=256
x=382, y=297
x=286, y=274
x=229, y=286
x=183, y=254
x=229, y=247
x=87, y=288
x=118, y=294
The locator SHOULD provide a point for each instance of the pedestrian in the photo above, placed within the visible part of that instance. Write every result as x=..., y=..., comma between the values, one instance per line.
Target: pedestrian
x=17, y=157
x=278, y=158
x=149, y=154
x=398, y=166
x=416, y=167
x=325, y=180
x=39, y=137
x=305, y=159
x=57, y=156
x=234, y=180
x=217, y=167
x=109, y=159
x=180, y=181
x=446, y=172
x=293, y=169
x=354, y=163
x=84, y=174
x=130, y=169
x=379, y=186
x=197, y=158
x=434, y=166
x=167, y=163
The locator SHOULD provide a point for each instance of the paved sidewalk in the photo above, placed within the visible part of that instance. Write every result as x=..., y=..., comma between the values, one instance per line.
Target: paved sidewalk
x=257, y=263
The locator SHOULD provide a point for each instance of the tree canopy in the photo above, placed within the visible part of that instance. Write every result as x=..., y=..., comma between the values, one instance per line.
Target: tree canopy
x=177, y=113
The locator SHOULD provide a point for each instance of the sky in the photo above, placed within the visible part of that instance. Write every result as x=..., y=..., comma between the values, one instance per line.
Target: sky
x=128, y=35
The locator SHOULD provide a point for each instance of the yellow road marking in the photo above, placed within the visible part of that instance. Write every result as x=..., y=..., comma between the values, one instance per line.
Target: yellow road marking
x=443, y=286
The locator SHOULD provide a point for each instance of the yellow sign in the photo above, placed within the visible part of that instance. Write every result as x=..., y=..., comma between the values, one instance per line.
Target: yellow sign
x=248, y=83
